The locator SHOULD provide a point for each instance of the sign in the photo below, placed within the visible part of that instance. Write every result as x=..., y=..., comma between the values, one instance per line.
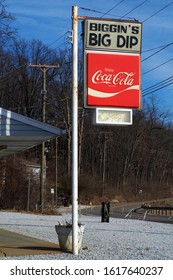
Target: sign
x=112, y=116
x=52, y=191
x=112, y=35
x=112, y=80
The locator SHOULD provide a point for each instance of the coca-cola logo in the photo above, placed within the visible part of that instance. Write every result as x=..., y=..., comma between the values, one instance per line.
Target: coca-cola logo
x=113, y=80
x=119, y=78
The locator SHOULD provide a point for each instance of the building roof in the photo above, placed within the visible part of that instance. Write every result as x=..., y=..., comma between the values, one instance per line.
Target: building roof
x=19, y=133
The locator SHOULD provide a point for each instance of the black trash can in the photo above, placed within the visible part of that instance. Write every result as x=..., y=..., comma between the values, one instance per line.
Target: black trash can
x=105, y=212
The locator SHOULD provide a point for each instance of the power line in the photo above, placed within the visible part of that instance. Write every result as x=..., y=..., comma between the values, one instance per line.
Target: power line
x=103, y=14
x=170, y=78
x=129, y=11
x=154, y=49
x=3, y=78
x=158, y=12
x=157, y=51
x=158, y=66
x=58, y=39
x=95, y=11
x=63, y=44
x=90, y=10
x=134, y=8
x=158, y=86
x=113, y=8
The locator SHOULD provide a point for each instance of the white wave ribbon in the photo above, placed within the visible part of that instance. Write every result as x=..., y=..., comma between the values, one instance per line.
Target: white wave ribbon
x=100, y=94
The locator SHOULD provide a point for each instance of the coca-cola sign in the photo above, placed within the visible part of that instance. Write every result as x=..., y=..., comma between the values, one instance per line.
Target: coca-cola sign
x=112, y=80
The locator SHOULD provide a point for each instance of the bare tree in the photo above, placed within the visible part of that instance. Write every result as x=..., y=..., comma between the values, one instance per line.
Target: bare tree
x=6, y=31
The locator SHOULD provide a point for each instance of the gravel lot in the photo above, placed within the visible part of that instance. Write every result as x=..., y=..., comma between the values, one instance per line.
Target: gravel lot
x=120, y=239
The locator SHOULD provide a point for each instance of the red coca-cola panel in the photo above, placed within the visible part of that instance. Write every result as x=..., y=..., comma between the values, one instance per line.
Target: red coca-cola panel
x=113, y=80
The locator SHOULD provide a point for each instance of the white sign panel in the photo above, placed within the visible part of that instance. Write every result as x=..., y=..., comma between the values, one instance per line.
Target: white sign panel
x=113, y=116
x=112, y=35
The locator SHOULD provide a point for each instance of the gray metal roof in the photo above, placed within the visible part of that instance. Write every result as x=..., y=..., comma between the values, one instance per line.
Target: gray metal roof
x=18, y=133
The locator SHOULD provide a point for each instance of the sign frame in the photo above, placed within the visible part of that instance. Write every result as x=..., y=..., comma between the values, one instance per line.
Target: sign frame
x=118, y=111
x=86, y=105
x=112, y=35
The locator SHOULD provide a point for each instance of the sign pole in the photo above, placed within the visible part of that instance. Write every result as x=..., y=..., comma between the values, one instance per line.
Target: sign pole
x=75, y=132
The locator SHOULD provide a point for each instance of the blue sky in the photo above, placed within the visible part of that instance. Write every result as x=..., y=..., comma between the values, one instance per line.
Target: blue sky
x=49, y=20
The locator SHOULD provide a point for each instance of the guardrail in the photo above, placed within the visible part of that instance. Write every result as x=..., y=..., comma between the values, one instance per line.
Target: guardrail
x=155, y=210
x=158, y=210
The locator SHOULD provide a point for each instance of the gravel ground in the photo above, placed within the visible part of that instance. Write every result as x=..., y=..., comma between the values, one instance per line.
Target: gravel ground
x=120, y=239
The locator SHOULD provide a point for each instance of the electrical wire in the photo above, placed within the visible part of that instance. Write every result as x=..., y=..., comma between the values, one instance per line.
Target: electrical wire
x=90, y=10
x=157, y=51
x=113, y=8
x=58, y=39
x=3, y=78
x=154, y=49
x=154, y=90
x=98, y=12
x=158, y=86
x=159, y=83
x=157, y=66
x=158, y=11
x=134, y=8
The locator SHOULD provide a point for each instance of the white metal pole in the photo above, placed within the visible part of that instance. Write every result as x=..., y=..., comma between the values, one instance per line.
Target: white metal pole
x=75, y=132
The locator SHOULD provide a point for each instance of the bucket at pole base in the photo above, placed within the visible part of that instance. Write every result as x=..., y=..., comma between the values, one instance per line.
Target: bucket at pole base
x=65, y=236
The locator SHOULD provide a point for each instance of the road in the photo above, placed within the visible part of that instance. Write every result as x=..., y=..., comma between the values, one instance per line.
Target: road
x=126, y=211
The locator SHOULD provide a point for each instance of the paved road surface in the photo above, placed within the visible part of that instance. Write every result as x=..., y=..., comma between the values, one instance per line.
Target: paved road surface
x=125, y=211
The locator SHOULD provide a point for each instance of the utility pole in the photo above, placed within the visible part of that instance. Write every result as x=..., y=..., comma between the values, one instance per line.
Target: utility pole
x=56, y=170
x=75, y=132
x=75, y=18
x=44, y=68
